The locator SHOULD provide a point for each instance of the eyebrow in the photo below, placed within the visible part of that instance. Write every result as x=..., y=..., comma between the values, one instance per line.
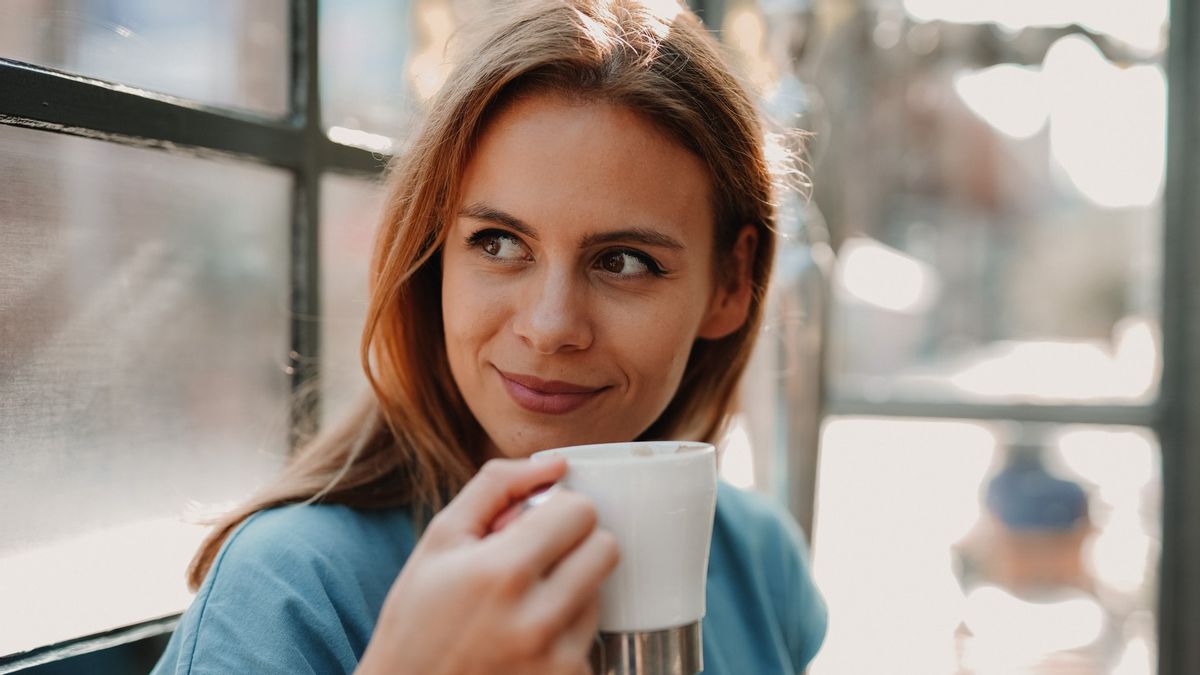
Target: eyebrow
x=641, y=235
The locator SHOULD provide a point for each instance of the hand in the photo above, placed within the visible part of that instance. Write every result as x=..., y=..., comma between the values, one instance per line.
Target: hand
x=523, y=599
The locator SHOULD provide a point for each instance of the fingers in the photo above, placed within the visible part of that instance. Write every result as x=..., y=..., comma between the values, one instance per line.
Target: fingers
x=568, y=650
x=510, y=514
x=507, y=516
x=580, y=636
x=497, y=485
x=576, y=581
x=540, y=537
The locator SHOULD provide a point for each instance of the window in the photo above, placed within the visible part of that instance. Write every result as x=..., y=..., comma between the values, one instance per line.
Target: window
x=160, y=288
x=999, y=401
x=145, y=335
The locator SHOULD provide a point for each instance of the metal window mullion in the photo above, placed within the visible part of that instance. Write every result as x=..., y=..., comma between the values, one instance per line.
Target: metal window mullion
x=87, y=644
x=49, y=100
x=59, y=102
x=1125, y=415
x=45, y=99
x=305, y=301
x=1179, y=424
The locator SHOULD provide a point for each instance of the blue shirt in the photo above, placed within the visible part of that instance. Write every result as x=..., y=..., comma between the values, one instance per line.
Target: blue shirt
x=297, y=590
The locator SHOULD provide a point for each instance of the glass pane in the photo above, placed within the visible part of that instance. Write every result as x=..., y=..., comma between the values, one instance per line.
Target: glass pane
x=350, y=209
x=991, y=174
x=956, y=547
x=143, y=336
x=380, y=61
x=221, y=52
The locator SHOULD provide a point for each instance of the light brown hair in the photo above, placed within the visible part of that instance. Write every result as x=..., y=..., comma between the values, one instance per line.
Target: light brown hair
x=412, y=440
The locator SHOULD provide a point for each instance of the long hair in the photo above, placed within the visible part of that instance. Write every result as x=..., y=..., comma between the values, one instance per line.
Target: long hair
x=411, y=440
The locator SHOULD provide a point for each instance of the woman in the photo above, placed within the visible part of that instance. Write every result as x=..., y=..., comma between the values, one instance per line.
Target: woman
x=575, y=250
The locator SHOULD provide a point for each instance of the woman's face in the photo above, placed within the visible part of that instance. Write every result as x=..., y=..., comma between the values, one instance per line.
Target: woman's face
x=577, y=275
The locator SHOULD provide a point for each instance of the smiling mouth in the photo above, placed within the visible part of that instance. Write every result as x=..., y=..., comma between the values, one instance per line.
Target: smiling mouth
x=547, y=396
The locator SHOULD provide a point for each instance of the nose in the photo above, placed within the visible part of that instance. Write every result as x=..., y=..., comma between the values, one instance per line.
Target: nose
x=552, y=315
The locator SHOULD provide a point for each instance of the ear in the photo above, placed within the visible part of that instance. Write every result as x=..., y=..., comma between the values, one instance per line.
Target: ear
x=730, y=303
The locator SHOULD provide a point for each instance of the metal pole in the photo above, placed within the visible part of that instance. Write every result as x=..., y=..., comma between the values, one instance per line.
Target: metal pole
x=1179, y=425
x=305, y=301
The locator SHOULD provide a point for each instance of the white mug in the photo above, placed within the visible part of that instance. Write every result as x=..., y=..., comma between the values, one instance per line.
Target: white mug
x=658, y=498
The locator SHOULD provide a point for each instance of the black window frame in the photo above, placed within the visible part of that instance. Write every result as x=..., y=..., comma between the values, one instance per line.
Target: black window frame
x=1178, y=418
x=1174, y=414
x=46, y=99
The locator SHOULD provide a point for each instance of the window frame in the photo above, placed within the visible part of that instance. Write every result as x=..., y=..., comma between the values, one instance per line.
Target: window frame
x=1177, y=422
x=1173, y=413
x=51, y=100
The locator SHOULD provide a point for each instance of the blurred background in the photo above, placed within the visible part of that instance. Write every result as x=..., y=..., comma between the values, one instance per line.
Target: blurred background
x=957, y=392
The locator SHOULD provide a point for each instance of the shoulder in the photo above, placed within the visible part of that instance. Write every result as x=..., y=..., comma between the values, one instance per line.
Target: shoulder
x=760, y=538
x=745, y=502
x=316, y=549
x=756, y=529
x=754, y=519
x=317, y=532
x=294, y=589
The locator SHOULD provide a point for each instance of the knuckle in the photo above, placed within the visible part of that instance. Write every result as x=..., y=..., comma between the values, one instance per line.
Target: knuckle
x=440, y=522
x=607, y=544
x=437, y=532
x=566, y=663
x=516, y=647
x=436, y=536
x=500, y=574
x=493, y=469
x=484, y=575
x=537, y=635
x=582, y=507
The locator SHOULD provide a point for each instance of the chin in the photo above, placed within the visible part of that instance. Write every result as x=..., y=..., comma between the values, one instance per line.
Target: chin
x=522, y=443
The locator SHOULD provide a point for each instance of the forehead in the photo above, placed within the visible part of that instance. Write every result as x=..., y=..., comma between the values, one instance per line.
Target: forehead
x=569, y=164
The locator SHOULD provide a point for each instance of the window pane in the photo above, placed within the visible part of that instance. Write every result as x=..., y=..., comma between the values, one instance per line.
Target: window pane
x=381, y=60
x=349, y=213
x=365, y=49
x=955, y=547
x=143, y=337
x=998, y=237
x=221, y=52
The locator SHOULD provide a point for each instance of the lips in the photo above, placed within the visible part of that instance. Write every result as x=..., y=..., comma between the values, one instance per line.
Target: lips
x=547, y=396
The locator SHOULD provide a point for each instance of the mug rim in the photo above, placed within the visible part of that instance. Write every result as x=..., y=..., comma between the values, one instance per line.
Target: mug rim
x=702, y=449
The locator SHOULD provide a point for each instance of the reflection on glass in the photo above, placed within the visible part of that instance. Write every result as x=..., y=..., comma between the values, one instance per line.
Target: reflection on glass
x=350, y=211
x=381, y=60
x=992, y=177
x=1136, y=23
x=1008, y=548
x=365, y=47
x=143, y=335
x=220, y=52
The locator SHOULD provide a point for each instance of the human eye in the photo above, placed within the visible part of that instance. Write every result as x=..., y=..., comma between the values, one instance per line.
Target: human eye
x=628, y=263
x=498, y=244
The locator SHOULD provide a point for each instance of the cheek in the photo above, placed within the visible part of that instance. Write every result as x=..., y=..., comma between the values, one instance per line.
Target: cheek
x=469, y=312
x=655, y=342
